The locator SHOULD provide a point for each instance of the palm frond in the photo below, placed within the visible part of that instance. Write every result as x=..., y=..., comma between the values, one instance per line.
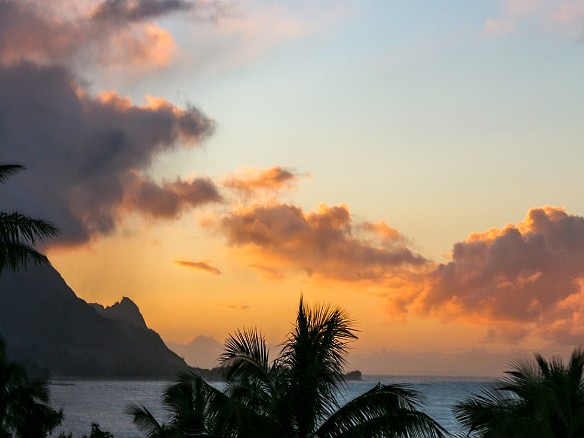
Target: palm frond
x=245, y=353
x=24, y=408
x=536, y=398
x=493, y=405
x=383, y=411
x=145, y=421
x=14, y=255
x=18, y=235
x=315, y=354
x=6, y=170
x=18, y=228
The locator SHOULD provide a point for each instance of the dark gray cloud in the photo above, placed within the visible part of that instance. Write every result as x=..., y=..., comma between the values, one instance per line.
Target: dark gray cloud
x=132, y=10
x=87, y=155
x=169, y=199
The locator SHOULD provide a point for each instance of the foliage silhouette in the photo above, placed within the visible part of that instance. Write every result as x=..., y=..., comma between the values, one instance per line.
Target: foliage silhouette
x=24, y=409
x=96, y=432
x=293, y=396
x=541, y=398
x=19, y=233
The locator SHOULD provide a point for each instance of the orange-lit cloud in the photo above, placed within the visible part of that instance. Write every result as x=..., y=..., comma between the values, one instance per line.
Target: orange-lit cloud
x=523, y=278
x=273, y=179
x=268, y=272
x=324, y=243
x=200, y=265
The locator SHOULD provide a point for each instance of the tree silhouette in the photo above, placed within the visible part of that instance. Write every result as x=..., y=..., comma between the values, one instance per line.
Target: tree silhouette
x=19, y=233
x=536, y=399
x=294, y=396
x=24, y=409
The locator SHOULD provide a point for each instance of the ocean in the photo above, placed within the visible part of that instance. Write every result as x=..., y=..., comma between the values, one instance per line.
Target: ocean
x=85, y=402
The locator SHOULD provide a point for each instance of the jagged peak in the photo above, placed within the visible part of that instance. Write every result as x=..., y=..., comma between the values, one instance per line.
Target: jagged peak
x=126, y=311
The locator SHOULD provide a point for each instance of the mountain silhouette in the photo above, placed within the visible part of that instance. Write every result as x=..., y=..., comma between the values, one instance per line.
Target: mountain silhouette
x=125, y=311
x=47, y=327
x=201, y=351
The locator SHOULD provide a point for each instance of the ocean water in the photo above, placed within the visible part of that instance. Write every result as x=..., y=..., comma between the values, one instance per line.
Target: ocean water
x=104, y=402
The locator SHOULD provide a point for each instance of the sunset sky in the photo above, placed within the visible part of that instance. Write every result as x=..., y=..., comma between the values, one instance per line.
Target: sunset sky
x=418, y=163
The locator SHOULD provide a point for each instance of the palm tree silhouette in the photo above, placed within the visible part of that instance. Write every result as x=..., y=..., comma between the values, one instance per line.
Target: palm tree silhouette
x=294, y=396
x=19, y=233
x=24, y=409
x=536, y=399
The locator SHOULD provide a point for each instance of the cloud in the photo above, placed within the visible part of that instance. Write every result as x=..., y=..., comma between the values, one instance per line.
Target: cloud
x=267, y=272
x=169, y=199
x=232, y=306
x=201, y=266
x=118, y=33
x=324, y=243
x=499, y=27
x=133, y=10
x=541, y=15
x=523, y=278
x=202, y=351
x=249, y=30
x=87, y=156
x=249, y=180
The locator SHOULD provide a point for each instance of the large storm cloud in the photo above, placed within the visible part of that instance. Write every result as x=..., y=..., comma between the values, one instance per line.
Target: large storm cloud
x=88, y=154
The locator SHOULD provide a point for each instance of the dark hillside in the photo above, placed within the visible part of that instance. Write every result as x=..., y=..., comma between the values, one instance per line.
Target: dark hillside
x=44, y=323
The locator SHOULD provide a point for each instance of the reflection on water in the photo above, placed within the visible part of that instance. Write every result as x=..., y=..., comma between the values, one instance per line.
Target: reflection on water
x=104, y=402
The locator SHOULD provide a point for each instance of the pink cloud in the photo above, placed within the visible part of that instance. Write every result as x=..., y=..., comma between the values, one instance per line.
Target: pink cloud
x=523, y=278
x=517, y=16
x=325, y=243
x=106, y=33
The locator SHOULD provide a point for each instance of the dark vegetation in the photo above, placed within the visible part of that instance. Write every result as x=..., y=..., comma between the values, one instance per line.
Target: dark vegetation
x=19, y=233
x=537, y=398
x=292, y=396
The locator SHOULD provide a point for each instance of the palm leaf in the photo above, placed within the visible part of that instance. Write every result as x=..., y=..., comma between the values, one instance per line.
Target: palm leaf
x=13, y=256
x=383, y=411
x=315, y=355
x=18, y=235
x=7, y=170
x=16, y=228
x=146, y=422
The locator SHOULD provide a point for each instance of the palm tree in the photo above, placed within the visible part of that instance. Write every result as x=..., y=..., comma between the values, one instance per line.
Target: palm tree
x=19, y=233
x=294, y=396
x=24, y=411
x=541, y=398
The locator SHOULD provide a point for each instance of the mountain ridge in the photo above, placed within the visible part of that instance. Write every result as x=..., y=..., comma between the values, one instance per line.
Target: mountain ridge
x=48, y=328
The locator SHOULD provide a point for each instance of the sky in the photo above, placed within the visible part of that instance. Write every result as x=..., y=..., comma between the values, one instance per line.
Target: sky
x=417, y=163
